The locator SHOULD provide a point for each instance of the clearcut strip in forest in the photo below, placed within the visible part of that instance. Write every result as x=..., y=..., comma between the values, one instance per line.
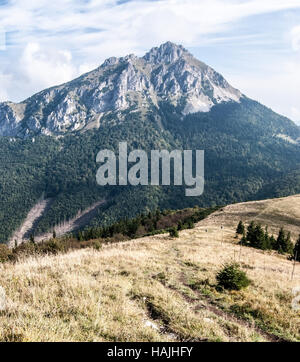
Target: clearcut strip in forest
x=80, y=220
x=27, y=227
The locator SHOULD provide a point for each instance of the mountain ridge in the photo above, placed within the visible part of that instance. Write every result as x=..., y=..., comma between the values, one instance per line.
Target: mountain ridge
x=119, y=84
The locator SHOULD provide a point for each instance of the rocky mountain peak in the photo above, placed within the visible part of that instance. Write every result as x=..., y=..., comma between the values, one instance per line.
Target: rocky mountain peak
x=109, y=61
x=166, y=53
x=168, y=73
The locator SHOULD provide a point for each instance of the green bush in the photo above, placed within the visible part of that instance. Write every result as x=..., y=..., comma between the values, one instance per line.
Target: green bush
x=191, y=224
x=97, y=245
x=174, y=232
x=231, y=277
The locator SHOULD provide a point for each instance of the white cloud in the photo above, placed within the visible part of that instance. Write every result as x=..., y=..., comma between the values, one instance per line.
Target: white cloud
x=44, y=68
x=5, y=82
x=279, y=89
x=55, y=41
x=134, y=25
x=2, y=39
x=295, y=112
x=87, y=67
x=295, y=34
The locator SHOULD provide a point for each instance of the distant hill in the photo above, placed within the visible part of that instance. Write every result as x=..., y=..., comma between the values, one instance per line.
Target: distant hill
x=274, y=213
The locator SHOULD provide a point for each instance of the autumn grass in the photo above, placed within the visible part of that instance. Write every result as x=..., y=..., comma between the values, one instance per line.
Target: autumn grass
x=266, y=302
x=151, y=289
x=274, y=213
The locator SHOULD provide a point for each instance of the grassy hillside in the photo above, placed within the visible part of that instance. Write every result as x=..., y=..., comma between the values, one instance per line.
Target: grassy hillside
x=274, y=213
x=156, y=288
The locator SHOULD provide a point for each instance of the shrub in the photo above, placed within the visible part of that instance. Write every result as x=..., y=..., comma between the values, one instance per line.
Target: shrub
x=231, y=277
x=97, y=245
x=51, y=246
x=191, y=224
x=5, y=253
x=25, y=249
x=174, y=232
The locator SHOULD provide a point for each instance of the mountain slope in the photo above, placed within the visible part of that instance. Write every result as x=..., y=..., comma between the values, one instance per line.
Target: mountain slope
x=165, y=100
x=155, y=289
x=274, y=213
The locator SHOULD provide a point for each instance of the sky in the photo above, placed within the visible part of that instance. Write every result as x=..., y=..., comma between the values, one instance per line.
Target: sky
x=254, y=44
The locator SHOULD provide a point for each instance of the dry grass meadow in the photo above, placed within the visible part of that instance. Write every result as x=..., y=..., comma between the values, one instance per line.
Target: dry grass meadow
x=152, y=289
x=276, y=213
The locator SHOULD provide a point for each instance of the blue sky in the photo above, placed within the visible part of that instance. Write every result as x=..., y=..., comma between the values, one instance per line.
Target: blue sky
x=255, y=44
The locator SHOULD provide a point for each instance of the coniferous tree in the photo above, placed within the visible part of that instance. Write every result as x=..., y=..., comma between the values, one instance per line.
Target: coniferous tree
x=133, y=227
x=296, y=251
x=258, y=237
x=288, y=246
x=240, y=230
x=250, y=233
x=283, y=243
x=80, y=236
x=243, y=240
x=272, y=242
x=280, y=241
x=267, y=240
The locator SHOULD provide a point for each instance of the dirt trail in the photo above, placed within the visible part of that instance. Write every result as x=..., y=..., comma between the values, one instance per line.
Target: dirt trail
x=81, y=219
x=23, y=233
x=211, y=306
x=203, y=301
